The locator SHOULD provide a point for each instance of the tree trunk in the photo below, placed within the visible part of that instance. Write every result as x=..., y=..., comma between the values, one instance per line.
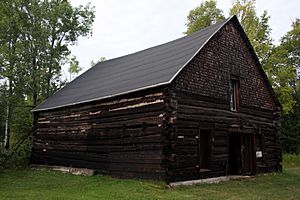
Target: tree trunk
x=8, y=118
x=35, y=79
x=49, y=76
x=7, y=128
x=34, y=85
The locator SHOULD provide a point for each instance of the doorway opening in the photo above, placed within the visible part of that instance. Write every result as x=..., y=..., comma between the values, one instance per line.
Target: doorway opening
x=234, y=154
x=204, y=149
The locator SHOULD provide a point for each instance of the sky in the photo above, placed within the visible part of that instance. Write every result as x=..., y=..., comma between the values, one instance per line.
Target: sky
x=122, y=27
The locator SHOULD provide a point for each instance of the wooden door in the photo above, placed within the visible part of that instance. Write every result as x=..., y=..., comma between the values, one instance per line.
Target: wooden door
x=248, y=154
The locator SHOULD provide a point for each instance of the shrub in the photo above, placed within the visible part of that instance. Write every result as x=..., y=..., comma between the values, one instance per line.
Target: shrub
x=19, y=157
x=291, y=160
x=2, y=157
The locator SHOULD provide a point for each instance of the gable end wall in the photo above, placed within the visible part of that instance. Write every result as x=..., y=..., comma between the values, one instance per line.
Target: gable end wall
x=209, y=72
x=201, y=95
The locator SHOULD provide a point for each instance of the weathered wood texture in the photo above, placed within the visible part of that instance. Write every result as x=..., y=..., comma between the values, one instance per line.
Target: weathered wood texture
x=155, y=133
x=201, y=95
x=193, y=114
x=122, y=137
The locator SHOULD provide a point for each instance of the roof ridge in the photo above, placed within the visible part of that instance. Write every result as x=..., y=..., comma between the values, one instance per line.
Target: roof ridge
x=134, y=72
x=171, y=41
x=223, y=22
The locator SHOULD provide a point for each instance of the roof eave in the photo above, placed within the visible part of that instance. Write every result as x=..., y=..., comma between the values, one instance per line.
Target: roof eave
x=142, y=88
x=102, y=98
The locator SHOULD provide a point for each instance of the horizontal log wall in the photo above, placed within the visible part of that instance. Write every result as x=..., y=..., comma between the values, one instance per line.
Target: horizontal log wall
x=122, y=137
x=153, y=134
x=194, y=112
x=202, y=91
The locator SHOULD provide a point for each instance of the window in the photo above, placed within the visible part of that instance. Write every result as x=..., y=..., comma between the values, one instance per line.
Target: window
x=205, y=145
x=234, y=94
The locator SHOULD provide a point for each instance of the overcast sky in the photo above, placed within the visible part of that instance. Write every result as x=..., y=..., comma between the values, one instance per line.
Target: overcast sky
x=126, y=26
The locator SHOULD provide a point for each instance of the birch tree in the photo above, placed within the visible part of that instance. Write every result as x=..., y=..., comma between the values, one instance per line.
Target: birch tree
x=35, y=38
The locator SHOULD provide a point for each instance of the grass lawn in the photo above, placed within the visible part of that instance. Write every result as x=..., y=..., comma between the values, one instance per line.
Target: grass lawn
x=30, y=184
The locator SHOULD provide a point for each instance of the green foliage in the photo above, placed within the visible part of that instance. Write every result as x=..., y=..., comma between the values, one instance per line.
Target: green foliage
x=204, y=15
x=74, y=67
x=256, y=28
x=290, y=129
x=2, y=112
x=281, y=76
x=2, y=157
x=281, y=63
x=19, y=156
x=291, y=160
x=63, y=24
x=291, y=42
x=21, y=124
x=93, y=63
x=35, y=38
x=37, y=44
x=284, y=69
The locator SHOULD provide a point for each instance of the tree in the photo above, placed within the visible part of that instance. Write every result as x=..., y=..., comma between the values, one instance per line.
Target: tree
x=11, y=18
x=285, y=62
x=66, y=24
x=282, y=76
x=256, y=28
x=281, y=63
x=291, y=42
x=54, y=25
x=2, y=114
x=74, y=67
x=93, y=63
x=35, y=36
x=204, y=15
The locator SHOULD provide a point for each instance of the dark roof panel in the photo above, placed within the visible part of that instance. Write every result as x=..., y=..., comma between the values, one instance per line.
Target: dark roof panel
x=144, y=69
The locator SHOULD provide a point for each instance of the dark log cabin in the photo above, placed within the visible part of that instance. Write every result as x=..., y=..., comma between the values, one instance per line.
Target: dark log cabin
x=197, y=107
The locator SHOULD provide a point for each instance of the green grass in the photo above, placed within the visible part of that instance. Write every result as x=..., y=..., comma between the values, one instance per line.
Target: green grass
x=31, y=184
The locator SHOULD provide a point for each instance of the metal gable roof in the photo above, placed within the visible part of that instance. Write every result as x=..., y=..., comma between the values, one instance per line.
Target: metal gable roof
x=148, y=68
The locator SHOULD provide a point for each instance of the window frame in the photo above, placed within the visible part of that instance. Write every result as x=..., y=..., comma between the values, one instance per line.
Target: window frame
x=234, y=93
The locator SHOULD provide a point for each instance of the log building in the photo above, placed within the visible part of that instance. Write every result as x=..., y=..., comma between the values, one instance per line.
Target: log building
x=196, y=107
